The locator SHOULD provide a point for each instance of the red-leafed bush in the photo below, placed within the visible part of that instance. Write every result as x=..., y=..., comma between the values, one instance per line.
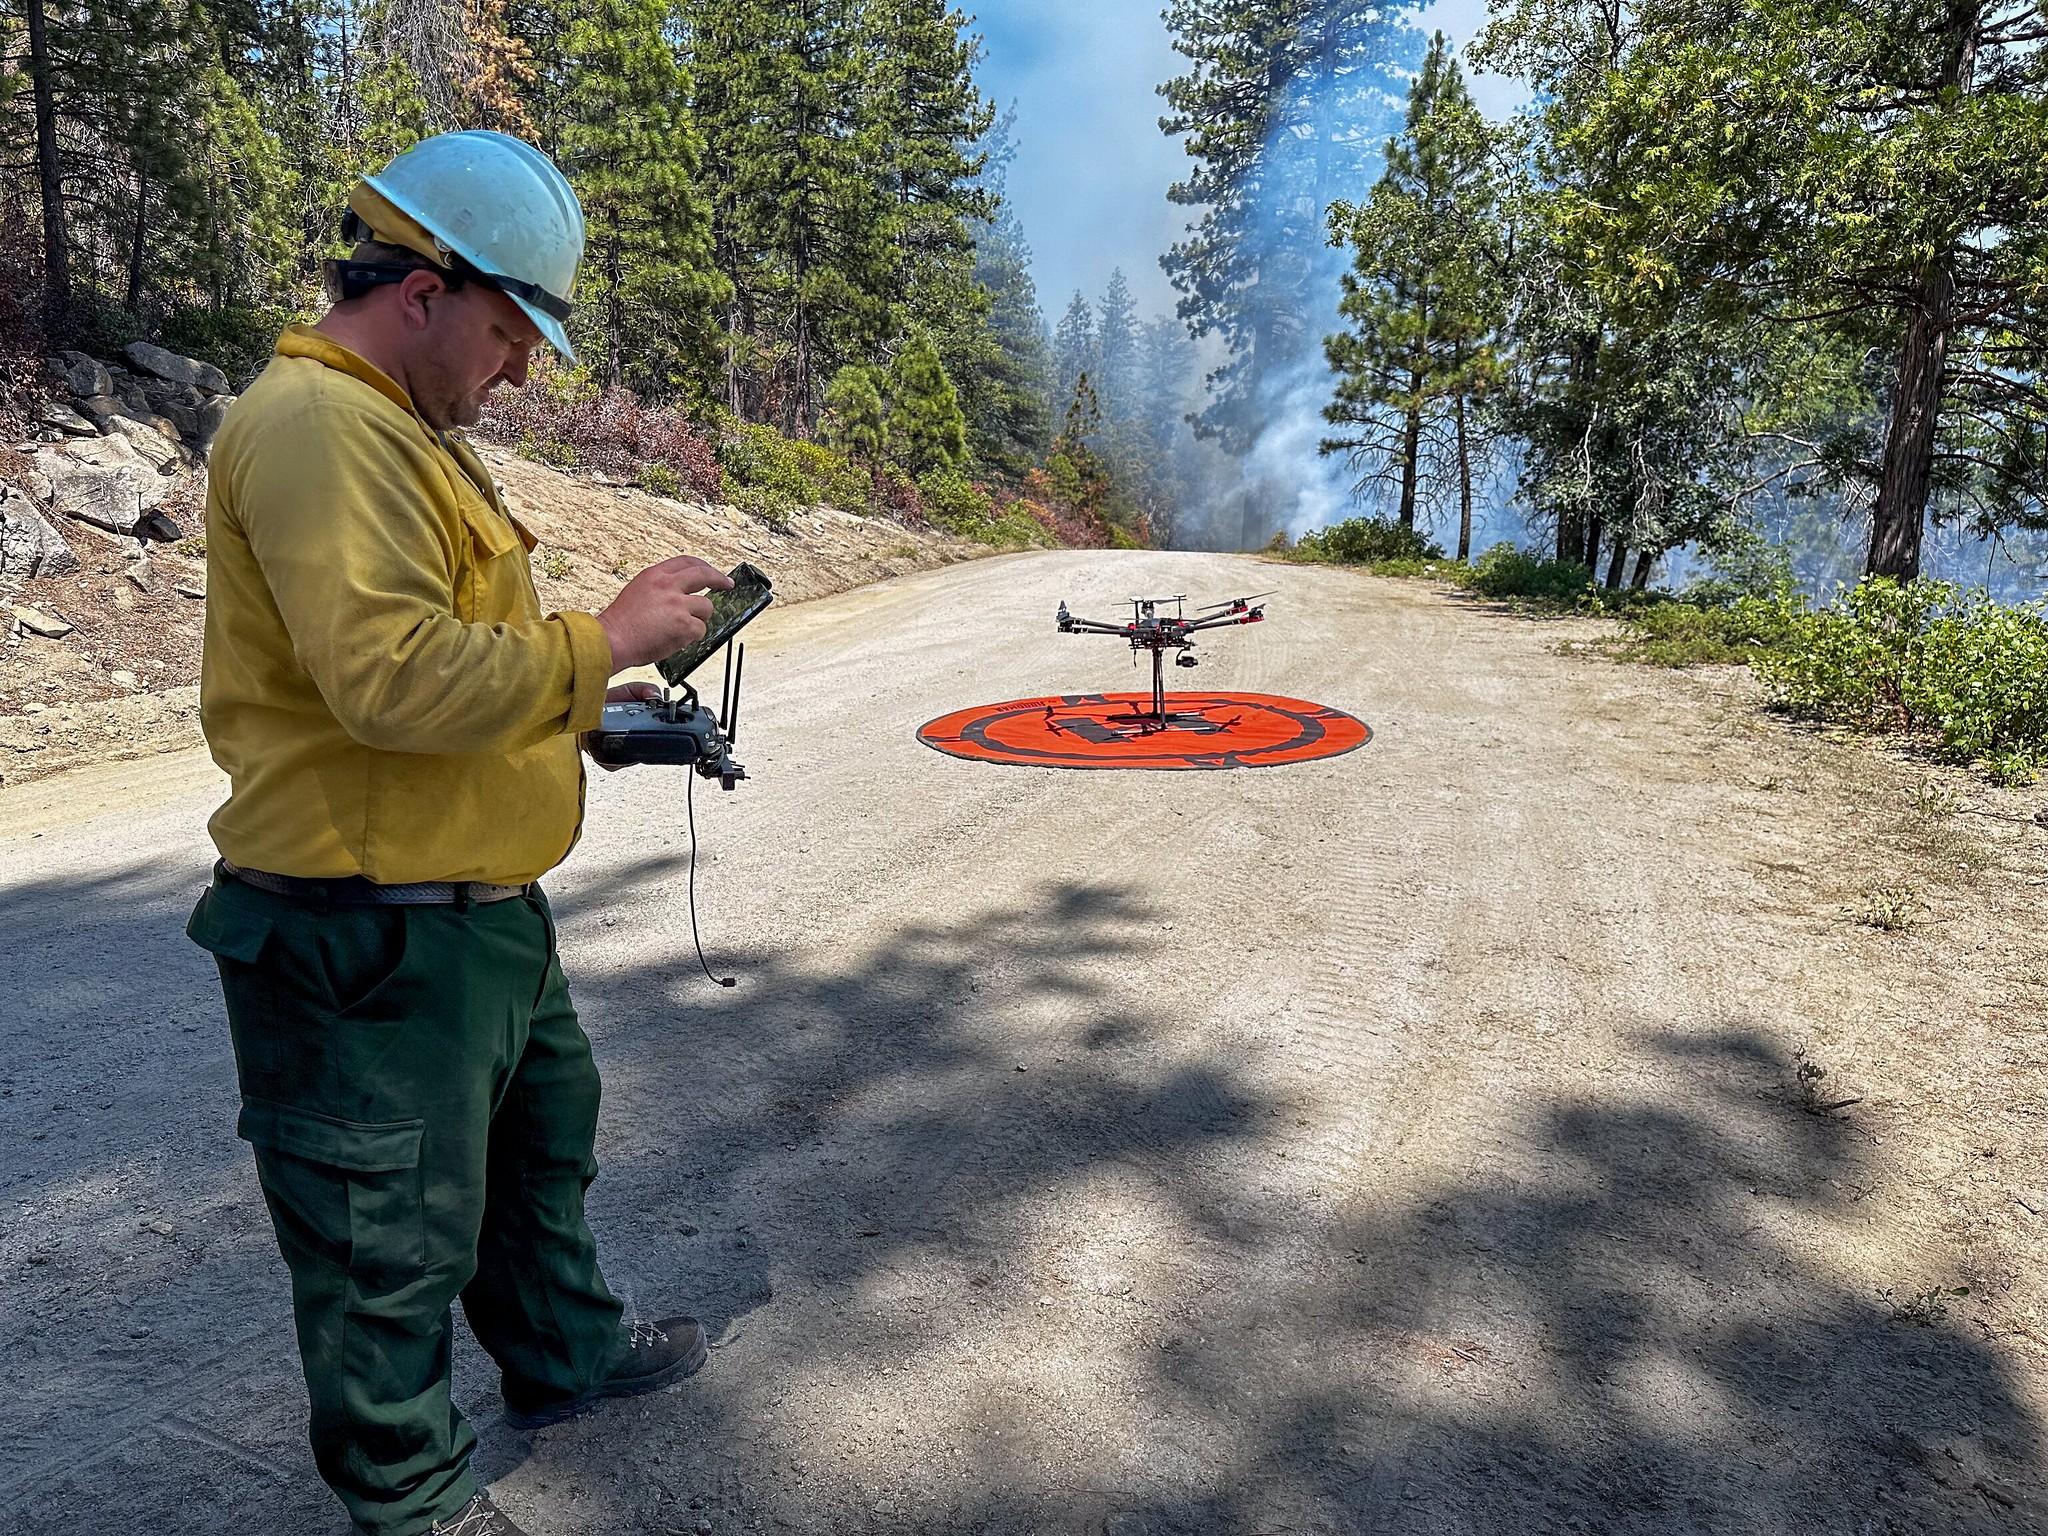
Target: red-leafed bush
x=608, y=431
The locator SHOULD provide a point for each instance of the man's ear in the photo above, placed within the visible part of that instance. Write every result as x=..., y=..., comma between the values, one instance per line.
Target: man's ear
x=419, y=290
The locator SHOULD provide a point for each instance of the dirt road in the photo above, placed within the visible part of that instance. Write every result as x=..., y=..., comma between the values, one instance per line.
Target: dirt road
x=1411, y=1142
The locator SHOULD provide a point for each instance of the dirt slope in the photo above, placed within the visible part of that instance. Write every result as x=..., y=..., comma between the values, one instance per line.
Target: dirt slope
x=1406, y=1143
x=124, y=684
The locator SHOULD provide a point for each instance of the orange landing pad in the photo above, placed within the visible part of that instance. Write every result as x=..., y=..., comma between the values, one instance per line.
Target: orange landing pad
x=1114, y=730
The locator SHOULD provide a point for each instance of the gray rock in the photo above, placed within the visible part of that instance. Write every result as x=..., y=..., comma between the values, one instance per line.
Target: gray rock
x=179, y=370
x=100, y=409
x=185, y=418
x=133, y=401
x=211, y=415
x=163, y=393
x=37, y=622
x=159, y=526
x=104, y=481
x=83, y=375
x=66, y=420
x=29, y=546
x=158, y=441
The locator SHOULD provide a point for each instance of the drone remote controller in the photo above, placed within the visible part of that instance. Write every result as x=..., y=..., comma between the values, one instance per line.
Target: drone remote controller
x=675, y=730
x=678, y=732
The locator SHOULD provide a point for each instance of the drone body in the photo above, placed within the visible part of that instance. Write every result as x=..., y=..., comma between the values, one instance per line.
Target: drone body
x=1151, y=630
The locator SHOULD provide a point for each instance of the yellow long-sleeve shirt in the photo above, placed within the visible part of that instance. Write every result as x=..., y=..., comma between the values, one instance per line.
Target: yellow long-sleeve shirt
x=379, y=682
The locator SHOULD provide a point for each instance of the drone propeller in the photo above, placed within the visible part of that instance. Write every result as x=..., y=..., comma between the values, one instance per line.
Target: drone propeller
x=1232, y=602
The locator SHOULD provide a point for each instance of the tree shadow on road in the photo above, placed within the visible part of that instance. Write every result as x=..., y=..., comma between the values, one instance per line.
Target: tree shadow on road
x=1635, y=1315
x=823, y=1130
x=1635, y=1321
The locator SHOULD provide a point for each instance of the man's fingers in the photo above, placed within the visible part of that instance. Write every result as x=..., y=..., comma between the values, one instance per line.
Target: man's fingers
x=693, y=574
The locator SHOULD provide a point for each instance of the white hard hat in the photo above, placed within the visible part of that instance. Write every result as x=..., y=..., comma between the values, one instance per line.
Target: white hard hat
x=496, y=203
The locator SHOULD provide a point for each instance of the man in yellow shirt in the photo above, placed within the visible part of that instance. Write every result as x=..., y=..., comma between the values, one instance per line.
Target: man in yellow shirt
x=399, y=721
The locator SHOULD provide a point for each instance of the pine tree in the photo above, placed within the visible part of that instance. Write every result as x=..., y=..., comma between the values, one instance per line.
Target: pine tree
x=1424, y=299
x=1116, y=349
x=856, y=419
x=1074, y=348
x=802, y=227
x=620, y=132
x=1009, y=420
x=1282, y=111
x=926, y=429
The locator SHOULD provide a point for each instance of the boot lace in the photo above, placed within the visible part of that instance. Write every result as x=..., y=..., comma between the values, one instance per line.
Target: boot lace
x=477, y=1518
x=645, y=1336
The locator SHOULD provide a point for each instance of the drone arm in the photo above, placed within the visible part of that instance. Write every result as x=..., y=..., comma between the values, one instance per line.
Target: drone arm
x=1222, y=619
x=1073, y=626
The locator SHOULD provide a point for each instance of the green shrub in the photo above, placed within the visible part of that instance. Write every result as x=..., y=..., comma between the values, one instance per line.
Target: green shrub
x=1924, y=657
x=1679, y=632
x=1505, y=571
x=796, y=474
x=767, y=506
x=660, y=479
x=1016, y=527
x=1366, y=541
x=956, y=503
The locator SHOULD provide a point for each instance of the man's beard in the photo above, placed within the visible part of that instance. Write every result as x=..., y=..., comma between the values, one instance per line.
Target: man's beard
x=464, y=411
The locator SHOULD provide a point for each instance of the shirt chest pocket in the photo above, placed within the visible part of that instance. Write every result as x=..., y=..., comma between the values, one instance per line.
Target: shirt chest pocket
x=492, y=582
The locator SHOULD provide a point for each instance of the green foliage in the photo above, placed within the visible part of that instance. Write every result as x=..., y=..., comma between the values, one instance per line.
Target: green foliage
x=956, y=503
x=238, y=340
x=611, y=103
x=1426, y=300
x=1508, y=572
x=661, y=480
x=1373, y=541
x=770, y=507
x=1681, y=632
x=926, y=429
x=1967, y=674
x=791, y=474
x=856, y=420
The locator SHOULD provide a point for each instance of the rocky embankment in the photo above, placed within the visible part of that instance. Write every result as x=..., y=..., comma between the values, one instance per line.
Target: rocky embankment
x=112, y=442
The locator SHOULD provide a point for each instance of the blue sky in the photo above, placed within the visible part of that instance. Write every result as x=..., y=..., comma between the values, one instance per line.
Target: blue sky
x=1092, y=167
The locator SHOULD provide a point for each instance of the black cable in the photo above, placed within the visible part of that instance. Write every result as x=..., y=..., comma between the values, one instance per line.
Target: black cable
x=690, y=810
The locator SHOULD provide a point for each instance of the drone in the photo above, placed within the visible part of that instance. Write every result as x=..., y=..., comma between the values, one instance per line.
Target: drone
x=1151, y=630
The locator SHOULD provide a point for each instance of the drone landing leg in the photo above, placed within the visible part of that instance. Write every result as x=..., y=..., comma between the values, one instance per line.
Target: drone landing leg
x=1159, y=688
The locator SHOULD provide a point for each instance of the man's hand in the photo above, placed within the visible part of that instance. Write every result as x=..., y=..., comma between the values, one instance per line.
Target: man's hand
x=625, y=693
x=661, y=610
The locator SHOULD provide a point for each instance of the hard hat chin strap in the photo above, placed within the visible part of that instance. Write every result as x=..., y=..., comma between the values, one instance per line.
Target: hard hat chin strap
x=371, y=273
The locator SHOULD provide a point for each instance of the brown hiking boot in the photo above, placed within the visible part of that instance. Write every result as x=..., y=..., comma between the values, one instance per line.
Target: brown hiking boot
x=651, y=1356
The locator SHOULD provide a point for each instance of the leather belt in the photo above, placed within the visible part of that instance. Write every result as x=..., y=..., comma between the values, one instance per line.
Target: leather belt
x=355, y=891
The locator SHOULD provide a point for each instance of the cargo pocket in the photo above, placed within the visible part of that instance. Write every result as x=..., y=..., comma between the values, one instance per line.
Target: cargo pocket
x=236, y=938
x=342, y=1192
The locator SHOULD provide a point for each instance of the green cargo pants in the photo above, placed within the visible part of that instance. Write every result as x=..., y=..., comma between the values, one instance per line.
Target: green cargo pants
x=422, y=1104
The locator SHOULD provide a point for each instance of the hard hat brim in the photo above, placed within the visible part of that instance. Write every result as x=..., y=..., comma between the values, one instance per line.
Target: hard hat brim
x=549, y=327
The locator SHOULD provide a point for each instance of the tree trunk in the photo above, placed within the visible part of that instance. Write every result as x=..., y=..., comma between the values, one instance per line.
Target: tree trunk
x=1641, y=580
x=1411, y=450
x=56, y=248
x=135, y=245
x=1589, y=557
x=614, y=307
x=1901, y=510
x=1614, y=564
x=1900, y=514
x=1464, y=483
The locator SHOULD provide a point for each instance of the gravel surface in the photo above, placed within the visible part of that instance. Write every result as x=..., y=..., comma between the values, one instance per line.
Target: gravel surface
x=1410, y=1142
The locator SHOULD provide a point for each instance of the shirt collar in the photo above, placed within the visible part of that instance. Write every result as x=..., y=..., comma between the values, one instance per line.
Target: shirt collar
x=305, y=341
